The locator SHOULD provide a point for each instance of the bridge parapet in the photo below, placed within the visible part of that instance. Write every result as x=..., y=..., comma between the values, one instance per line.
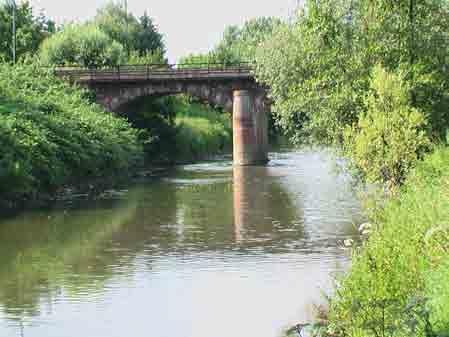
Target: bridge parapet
x=157, y=72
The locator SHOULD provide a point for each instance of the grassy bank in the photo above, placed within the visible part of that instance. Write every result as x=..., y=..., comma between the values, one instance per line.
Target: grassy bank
x=52, y=136
x=201, y=131
x=398, y=283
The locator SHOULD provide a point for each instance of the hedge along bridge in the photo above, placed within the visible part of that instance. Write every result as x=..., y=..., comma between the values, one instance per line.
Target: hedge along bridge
x=232, y=87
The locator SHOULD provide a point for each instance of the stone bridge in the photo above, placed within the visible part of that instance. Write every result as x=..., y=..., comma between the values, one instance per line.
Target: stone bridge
x=233, y=88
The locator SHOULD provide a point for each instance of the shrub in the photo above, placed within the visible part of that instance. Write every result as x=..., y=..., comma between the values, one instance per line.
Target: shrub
x=84, y=45
x=391, y=135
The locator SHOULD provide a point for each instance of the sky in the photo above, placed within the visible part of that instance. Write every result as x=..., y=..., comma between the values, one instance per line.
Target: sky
x=189, y=26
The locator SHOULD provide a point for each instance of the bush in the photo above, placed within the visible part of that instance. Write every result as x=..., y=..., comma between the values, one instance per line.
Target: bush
x=391, y=135
x=50, y=135
x=84, y=45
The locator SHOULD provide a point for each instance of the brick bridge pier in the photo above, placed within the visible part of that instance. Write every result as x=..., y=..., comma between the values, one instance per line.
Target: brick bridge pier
x=233, y=88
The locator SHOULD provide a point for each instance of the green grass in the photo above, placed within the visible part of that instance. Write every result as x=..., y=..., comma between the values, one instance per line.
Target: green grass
x=398, y=284
x=52, y=136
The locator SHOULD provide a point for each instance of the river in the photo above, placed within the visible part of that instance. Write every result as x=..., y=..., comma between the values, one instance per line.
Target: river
x=197, y=251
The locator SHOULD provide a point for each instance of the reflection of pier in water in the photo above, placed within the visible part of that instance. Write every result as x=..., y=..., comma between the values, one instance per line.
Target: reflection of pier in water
x=262, y=207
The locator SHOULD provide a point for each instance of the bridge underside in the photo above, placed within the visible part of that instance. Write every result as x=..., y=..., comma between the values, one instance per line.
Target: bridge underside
x=239, y=94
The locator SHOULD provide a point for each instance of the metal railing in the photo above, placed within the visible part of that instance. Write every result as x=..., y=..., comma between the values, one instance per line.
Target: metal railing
x=152, y=71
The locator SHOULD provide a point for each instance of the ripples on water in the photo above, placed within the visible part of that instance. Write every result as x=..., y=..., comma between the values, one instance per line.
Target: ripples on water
x=204, y=250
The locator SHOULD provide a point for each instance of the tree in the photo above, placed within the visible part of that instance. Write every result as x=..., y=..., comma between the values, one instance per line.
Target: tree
x=149, y=40
x=117, y=24
x=30, y=30
x=313, y=81
x=84, y=45
x=318, y=67
x=238, y=44
x=135, y=35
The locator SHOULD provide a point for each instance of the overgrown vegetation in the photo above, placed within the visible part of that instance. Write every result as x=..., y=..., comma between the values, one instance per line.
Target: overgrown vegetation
x=53, y=136
x=398, y=283
x=50, y=135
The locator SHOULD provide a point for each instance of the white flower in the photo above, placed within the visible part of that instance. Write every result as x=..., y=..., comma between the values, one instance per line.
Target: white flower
x=365, y=227
x=348, y=242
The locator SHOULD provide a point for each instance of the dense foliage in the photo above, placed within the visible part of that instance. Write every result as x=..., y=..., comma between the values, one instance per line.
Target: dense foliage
x=84, y=45
x=31, y=30
x=50, y=135
x=398, y=283
x=319, y=66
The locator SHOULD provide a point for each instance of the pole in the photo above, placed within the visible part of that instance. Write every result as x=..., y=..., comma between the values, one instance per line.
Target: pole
x=13, y=3
x=127, y=27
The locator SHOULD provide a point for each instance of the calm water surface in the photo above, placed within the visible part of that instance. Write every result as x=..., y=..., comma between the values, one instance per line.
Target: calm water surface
x=203, y=250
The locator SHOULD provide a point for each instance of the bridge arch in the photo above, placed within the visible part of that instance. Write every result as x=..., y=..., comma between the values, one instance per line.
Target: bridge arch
x=232, y=88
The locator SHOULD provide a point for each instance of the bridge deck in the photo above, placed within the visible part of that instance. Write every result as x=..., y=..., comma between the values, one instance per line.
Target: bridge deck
x=147, y=73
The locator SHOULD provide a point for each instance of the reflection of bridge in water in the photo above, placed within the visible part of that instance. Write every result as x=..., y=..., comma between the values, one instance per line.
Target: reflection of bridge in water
x=261, y=206
x=231, y=87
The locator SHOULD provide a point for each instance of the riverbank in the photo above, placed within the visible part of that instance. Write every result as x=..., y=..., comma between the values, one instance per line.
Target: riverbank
x=54, y=139
x=397, y=285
